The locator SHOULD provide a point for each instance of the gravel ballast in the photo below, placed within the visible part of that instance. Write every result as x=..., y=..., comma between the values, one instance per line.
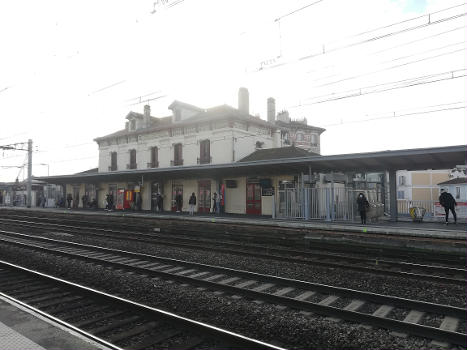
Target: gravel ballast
x=287, y=328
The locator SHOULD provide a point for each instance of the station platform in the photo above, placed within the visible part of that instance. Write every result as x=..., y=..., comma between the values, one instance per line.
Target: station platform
x=23, y=329
x=403, y=235
x=403, y=227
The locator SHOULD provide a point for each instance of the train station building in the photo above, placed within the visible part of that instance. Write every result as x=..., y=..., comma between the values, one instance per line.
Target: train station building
x=254, y=166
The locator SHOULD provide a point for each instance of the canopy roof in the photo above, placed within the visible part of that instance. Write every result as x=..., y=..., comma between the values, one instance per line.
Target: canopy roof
x=408, y=159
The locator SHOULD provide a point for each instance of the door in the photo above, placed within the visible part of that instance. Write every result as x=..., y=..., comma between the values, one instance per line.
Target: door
x=253, y=199
x=176, y=188
x=119, y=199
x=204, y=196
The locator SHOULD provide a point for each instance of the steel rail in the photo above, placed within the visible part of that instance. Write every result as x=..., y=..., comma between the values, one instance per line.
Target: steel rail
x=373, y=297
x=415, y=329
x=367, y=269
x=376, y=251
x=216, y=332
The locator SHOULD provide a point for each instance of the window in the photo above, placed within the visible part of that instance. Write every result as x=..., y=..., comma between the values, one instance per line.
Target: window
x=178, y=157
x=458, y=192
x=178, y=115
x=204, y=152
x=299, y=137
x=113, y=161
x=154, y=161
x=400, y=194
x=132, y=164
x=401, y=180
x=132, y=125
x=314, y=140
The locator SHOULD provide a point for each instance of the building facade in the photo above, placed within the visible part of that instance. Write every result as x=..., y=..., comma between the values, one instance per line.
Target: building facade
x=192, y=136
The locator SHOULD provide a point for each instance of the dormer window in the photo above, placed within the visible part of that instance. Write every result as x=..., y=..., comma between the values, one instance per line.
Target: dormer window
x=132, y=125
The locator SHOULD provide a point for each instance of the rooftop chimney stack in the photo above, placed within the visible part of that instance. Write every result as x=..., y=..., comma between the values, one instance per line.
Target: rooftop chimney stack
x=147, y=114
x=243, y=100
x=271, y=110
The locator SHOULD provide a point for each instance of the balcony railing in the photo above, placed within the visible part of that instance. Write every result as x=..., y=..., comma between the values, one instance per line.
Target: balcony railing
x=132, y=166
x=112, y=168
x=153, y=165
x=176, y=162
x=204, y=160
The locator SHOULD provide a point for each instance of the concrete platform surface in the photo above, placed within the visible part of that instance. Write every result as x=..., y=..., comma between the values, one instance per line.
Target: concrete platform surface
x=403, y=227
x=23, y=329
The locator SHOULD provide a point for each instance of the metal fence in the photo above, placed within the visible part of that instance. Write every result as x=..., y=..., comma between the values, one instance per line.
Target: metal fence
x=337, y=203
x=403, y=206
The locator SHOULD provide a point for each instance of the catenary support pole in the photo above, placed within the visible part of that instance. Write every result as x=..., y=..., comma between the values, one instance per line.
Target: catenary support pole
x=392, y=195
x=29, y=185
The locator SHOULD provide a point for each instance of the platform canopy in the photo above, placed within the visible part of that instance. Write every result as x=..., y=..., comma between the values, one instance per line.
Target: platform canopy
x=408, y=159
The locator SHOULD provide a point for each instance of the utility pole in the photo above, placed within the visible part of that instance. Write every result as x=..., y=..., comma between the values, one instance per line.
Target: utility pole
x=29, y=173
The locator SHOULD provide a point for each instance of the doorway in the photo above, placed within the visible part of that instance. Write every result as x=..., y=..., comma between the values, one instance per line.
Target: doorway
x=204, y=197
x=253, y=199
x=176, y=188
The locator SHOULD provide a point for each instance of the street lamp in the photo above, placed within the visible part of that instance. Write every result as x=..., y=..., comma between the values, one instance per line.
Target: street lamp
x=47, y=167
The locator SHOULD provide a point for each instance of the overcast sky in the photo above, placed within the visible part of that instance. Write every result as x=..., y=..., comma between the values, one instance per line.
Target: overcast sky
x=376, y=74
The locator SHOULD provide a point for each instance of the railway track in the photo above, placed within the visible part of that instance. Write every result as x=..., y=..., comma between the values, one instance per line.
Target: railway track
x=337, y=303
x=434, y=273
x=113, y=321
x=228, y=238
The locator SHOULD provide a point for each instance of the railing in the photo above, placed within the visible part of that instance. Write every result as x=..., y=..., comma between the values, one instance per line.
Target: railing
x=403, y=206
x=176, y=162
x=325, y=203
x=112, y=168
x=131, y=166
x=204, y=160
x=153, y=165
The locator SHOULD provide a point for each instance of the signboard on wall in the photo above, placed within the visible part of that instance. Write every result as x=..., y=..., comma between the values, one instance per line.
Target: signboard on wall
x=461, y=210
x=267, y=191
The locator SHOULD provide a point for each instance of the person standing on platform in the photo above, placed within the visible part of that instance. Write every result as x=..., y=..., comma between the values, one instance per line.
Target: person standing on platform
x=111, y=201
x=449, y=203
x=192, y=203
x=363, y=206
x=214, y=203
x=179, y=201
x=69, y=198
x=159, y=203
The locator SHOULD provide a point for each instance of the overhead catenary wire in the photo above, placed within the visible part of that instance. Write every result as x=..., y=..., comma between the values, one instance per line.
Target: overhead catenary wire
x=453, y=74
x=390, y=68
x=325, y=49
x=386, y=68
x=394, y=115
x=297, y=10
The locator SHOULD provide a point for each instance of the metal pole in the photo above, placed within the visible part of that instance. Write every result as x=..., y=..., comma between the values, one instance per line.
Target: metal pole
x=302, y=183
x=29, y=185
x=274, y=203
x=392, y=195
x=333, y=214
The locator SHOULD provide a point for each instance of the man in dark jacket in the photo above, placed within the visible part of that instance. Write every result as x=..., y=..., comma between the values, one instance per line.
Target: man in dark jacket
x=192, y=203
x=449, y=203
x=363, y=206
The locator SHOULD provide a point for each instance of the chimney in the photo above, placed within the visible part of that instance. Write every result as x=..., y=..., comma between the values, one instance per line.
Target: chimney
x=243, y=100
x=271, y=110
x=147, y=114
